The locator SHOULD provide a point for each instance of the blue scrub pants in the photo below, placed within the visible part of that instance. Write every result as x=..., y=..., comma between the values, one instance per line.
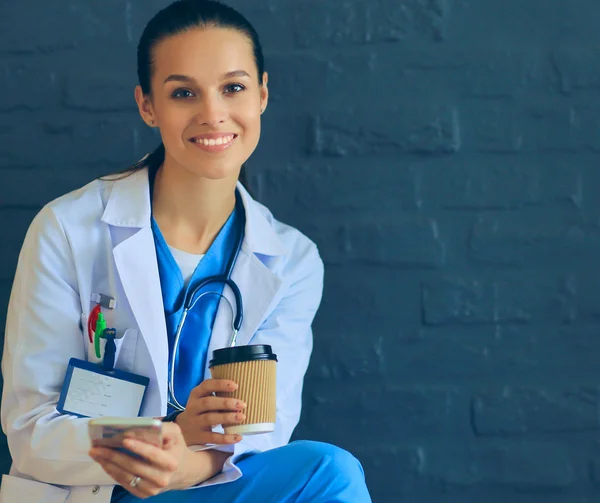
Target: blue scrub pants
x=300, y=472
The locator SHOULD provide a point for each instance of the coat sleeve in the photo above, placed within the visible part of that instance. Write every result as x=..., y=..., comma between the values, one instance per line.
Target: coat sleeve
x=43, y=331
x=288, y=330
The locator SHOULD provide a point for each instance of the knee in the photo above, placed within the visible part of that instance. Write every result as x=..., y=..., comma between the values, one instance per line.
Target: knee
x=332, y=458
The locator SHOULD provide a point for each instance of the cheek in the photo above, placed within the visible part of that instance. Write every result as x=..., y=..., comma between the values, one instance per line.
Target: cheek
x=247, y=112
x=251, y=122
x=251, y=135
x=174, y=120
x=173, y=125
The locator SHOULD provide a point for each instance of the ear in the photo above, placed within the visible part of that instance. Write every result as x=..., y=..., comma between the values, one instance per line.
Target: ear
x=145, y=107
x=264, y=92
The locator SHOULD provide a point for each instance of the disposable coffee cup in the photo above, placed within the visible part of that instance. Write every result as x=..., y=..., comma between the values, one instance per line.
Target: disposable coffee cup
x=253, y=368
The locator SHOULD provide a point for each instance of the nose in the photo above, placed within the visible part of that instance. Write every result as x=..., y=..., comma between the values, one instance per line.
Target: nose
x=212, y=110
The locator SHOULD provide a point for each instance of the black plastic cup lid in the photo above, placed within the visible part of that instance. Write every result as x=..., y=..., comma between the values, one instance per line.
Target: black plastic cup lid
x=238, y=354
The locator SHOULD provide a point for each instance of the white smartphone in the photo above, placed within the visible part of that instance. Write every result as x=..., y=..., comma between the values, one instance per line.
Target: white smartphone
x=111, y=431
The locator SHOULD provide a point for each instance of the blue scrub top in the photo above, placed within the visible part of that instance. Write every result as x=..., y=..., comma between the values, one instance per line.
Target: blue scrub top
x=190, y=360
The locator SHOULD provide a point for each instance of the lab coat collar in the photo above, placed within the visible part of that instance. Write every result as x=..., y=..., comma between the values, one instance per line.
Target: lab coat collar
x=129, y=206
x=128, y=209
x=260, y=237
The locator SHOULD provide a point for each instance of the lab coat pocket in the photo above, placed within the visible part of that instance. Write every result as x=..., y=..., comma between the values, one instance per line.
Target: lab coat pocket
x=126, y=339
x=15, y=489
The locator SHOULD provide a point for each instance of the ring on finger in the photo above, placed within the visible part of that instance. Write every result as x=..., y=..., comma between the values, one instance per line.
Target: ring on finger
x=135, y=481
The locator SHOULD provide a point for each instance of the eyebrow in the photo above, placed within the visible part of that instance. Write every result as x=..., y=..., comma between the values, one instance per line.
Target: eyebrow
x=184, y=78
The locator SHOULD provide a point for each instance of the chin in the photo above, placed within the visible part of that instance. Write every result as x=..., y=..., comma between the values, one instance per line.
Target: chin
x=215, y=172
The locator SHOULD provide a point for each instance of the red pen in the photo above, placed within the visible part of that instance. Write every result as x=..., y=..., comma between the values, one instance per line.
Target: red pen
x=92, y=321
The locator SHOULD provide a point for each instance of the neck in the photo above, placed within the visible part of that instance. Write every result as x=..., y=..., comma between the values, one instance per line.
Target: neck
x=190, y=210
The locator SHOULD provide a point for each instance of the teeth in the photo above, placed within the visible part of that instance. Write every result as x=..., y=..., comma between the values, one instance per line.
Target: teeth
x=219, y=141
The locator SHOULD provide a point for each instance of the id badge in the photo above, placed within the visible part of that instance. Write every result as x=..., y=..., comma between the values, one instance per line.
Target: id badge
x=91, y=391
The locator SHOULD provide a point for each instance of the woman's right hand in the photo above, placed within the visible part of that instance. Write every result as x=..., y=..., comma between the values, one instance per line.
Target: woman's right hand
x=204, y=410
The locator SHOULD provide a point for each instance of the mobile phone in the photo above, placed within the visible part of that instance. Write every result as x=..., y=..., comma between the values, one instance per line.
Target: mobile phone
x=111, y=431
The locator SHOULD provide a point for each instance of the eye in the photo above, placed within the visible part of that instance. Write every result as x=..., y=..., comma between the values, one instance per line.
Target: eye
x=182, y=94
x=234, y=88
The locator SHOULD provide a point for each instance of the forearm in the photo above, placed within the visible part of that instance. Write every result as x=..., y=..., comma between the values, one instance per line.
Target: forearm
x=51, y=448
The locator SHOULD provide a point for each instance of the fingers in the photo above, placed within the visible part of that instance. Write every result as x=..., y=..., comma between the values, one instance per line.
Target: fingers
x=211, y=403
x=201, y=432
x=120, y=476
x=211, y=419
x=210, y=437
x=123, y=467
x=205, y=410
x=208, y=420
x=151, y=467
x=171, y=429
x=159, y=458
x=143, y=489
x=172, y=434
x=210, y=386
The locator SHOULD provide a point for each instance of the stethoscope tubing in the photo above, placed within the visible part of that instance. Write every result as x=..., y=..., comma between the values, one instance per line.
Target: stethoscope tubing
x=190, y=301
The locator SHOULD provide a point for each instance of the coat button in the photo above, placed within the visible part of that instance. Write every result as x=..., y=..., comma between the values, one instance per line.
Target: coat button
x=95, y=489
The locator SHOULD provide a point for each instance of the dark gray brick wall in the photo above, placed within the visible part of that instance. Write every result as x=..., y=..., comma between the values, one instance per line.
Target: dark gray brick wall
x=443, y=154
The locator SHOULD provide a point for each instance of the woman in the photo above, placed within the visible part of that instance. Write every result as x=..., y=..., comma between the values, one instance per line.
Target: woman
x=145, y=238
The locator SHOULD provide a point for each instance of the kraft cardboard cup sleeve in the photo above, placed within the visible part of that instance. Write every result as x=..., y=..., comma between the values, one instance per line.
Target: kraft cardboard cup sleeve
x=253, y=368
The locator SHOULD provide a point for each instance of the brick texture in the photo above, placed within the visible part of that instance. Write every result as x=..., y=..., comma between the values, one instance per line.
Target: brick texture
x=444, y=156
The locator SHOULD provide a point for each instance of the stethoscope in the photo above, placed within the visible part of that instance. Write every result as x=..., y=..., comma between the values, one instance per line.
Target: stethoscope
x=190, y=301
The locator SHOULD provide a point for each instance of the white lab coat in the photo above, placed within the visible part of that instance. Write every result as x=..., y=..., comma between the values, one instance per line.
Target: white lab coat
x=98, y=239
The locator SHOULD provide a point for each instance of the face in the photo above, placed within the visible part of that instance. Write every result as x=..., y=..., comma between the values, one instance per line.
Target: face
x=206, y=101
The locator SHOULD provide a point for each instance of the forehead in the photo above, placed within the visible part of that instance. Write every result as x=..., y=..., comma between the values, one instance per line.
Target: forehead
x=203, y=53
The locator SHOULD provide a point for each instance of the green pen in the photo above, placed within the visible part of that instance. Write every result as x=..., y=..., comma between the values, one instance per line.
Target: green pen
x=100, y=327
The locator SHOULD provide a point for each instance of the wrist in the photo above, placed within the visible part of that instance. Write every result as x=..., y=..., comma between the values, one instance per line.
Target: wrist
x=171, y=417
x=215, y=460
x=199, y=466
x=184, y=476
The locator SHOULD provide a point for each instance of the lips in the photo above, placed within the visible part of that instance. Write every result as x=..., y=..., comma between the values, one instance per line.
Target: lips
x=213, y=139
x=213, y=142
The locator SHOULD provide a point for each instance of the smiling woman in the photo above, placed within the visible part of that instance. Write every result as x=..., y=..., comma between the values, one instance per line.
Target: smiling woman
x=142, y=253
x=202, y=61
x=206, y=96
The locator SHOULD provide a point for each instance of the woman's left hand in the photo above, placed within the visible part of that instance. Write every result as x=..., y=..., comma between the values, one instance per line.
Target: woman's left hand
x=160, y=470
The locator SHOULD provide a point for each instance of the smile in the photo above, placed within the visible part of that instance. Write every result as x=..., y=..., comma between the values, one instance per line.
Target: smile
x=214, y=144
x=214, y=141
